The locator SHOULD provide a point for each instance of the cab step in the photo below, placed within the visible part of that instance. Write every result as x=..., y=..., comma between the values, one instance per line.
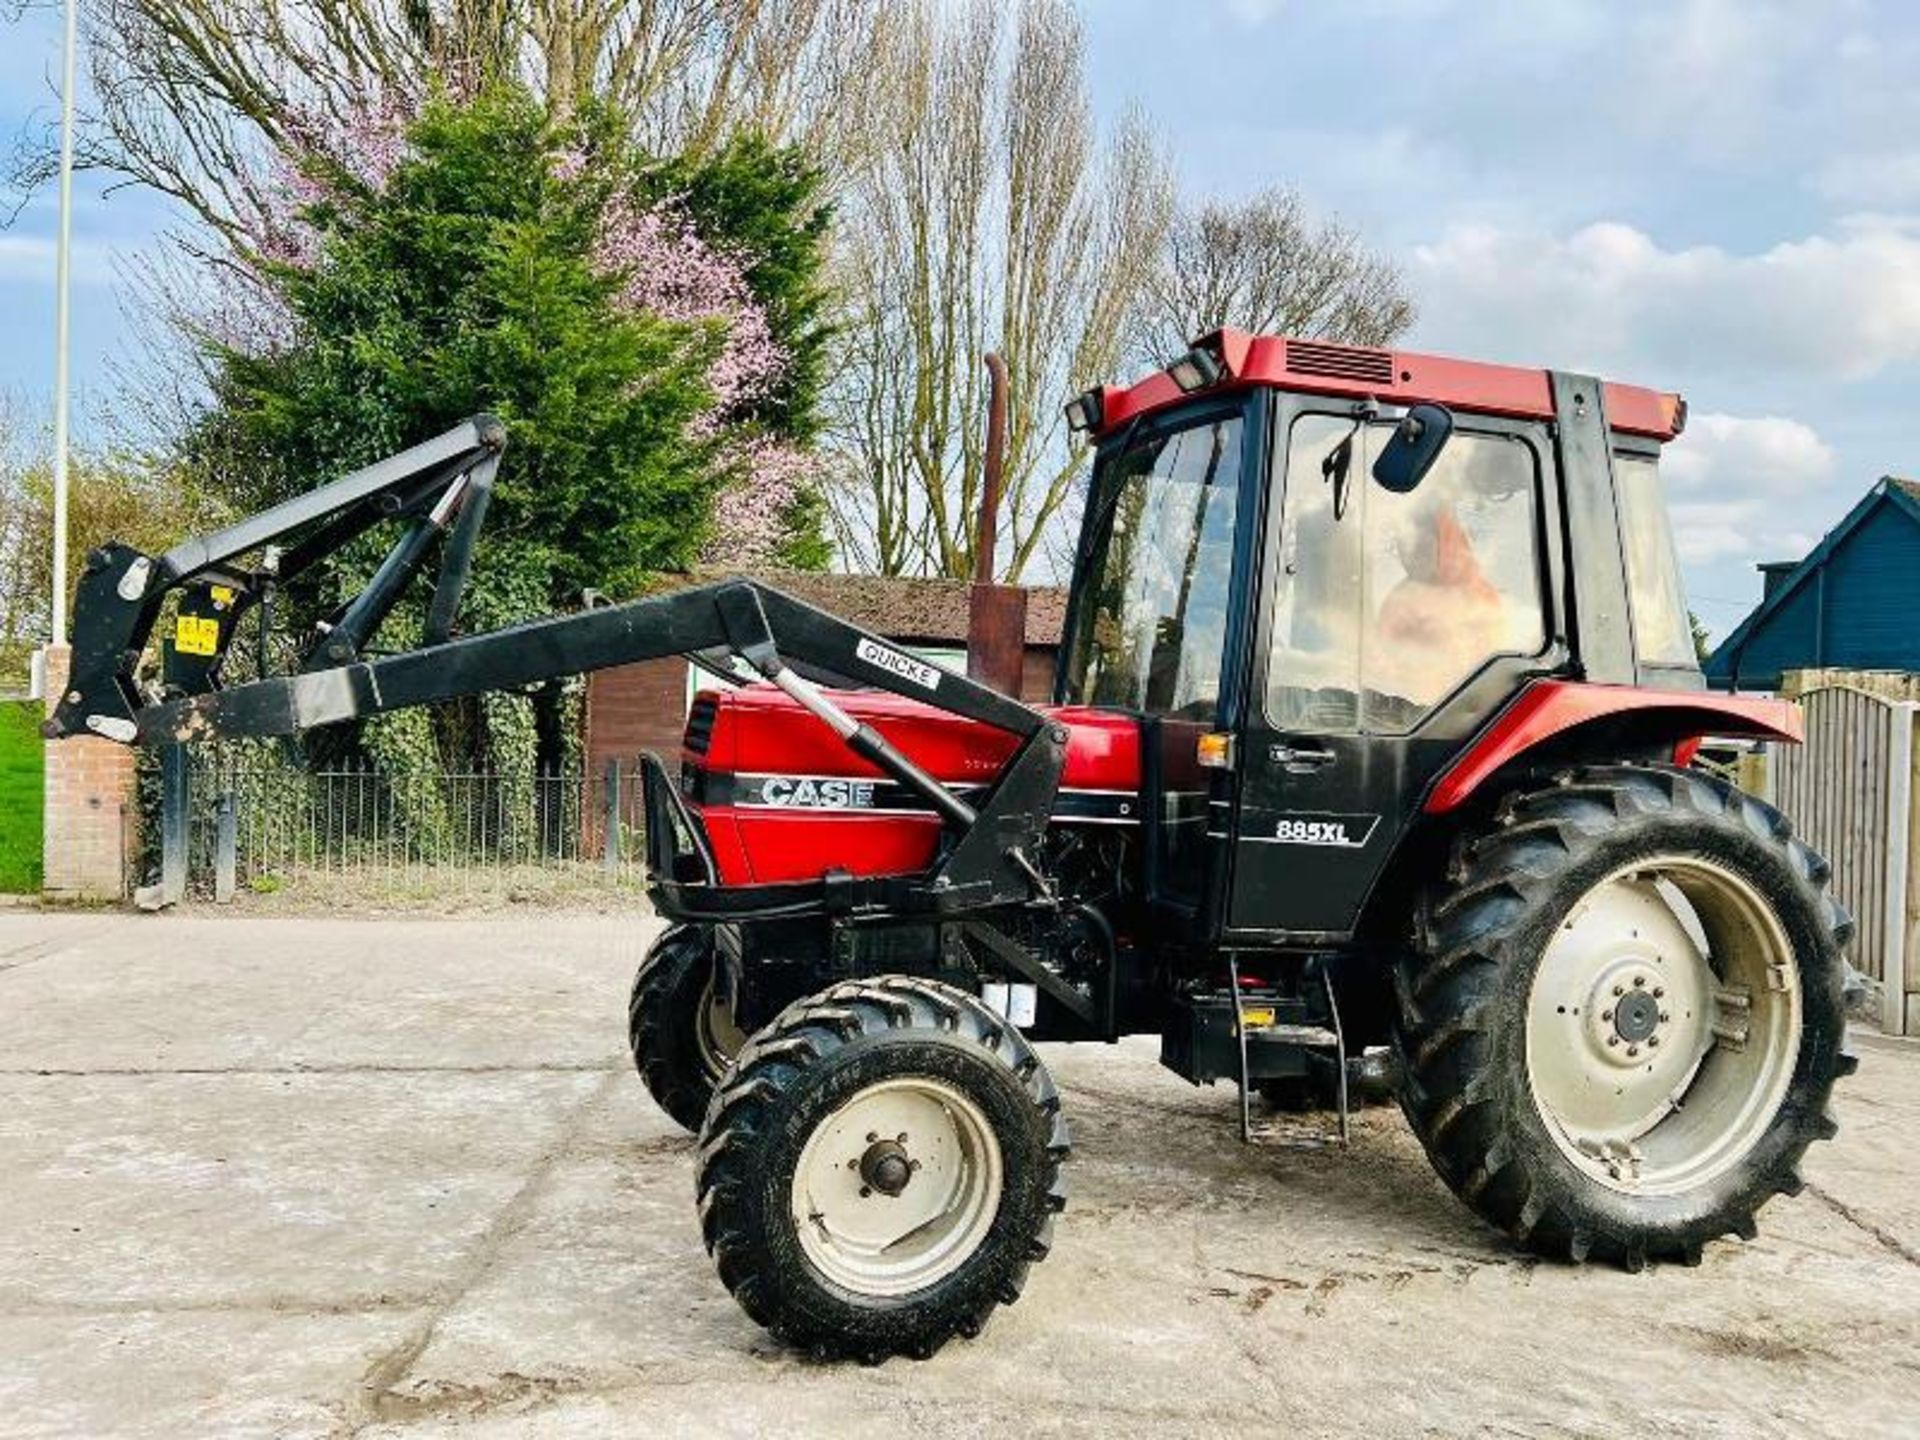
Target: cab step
x=1250, y=1011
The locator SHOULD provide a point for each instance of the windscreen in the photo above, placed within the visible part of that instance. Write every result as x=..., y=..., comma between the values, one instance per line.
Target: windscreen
x=1150, y=630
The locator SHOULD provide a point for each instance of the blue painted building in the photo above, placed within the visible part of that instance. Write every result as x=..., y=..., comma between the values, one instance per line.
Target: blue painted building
x=1853, y=603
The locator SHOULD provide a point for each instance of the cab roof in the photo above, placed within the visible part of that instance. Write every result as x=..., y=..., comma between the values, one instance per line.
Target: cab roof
x=1399, y=377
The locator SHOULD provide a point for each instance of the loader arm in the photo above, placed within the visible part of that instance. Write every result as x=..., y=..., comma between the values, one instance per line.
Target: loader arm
x=440, y=489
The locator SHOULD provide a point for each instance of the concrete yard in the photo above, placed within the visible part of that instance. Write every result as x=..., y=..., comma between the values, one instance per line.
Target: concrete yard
x=317, y=1177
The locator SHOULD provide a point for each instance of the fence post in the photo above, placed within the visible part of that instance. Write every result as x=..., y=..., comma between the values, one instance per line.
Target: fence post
x=1894, y=952
x=174, y=793
x=1903, y=977
x=611, y=818
x=224, y=857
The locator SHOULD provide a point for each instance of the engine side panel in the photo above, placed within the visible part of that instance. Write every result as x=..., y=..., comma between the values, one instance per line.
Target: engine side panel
x=783, y=799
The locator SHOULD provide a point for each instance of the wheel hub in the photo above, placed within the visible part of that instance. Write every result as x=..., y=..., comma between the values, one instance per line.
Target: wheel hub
x=1636, y=1017
x=885, y=1167
x=1625, y=1007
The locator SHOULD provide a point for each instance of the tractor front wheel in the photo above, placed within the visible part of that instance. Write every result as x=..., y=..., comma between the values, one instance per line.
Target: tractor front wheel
x=1624, y=1015
x=679, y=1024
x=880, y=1168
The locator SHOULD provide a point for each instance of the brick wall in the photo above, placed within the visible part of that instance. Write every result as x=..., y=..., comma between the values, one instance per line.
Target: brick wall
x=631, y=708
x=90, y=810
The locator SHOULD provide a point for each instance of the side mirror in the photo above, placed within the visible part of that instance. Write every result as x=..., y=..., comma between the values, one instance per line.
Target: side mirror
x=1417, y=441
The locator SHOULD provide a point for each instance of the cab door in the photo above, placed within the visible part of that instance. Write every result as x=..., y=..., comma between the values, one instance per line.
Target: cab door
x=1393, y=628
x=1162, y=600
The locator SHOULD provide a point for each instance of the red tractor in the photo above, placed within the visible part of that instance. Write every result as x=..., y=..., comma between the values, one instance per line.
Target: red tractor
x=1368, y=766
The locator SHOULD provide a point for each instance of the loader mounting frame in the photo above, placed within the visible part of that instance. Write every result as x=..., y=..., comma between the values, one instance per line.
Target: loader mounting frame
x=442, y=487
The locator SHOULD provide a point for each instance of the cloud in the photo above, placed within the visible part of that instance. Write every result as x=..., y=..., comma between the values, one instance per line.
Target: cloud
x=1734, y=481
x=1842, y=305
x=1255, y=13
x=1714, y=77
x=30, y=260
x=1764, y=456
x=1705, y=533
x=1877, y=178
x=26, y=257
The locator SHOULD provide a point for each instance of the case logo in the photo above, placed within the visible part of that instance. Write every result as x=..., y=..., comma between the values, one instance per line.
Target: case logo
x=803, y=792
x=1339, y=832
x=917, y=672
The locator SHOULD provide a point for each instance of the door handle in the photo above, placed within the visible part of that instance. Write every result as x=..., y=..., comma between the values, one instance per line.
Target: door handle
x=1300, y=759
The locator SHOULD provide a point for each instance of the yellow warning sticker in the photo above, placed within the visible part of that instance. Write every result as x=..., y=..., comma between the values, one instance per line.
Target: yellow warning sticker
x=1256, y=1017
x=193, y=635
x=222, y=595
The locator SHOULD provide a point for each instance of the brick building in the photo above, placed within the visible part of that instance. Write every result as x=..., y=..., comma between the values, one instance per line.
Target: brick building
x=632, y=708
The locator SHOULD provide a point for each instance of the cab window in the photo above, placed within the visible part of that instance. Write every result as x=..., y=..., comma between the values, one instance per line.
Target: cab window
x=1387, y=603
x=1662, y=631
x=1158, y=574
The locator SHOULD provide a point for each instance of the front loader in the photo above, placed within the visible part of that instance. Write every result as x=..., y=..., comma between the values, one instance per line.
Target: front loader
x=1367, y=764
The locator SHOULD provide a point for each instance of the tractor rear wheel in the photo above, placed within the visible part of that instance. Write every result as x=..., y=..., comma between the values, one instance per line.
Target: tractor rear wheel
x=880, y=1168
x=1624, y=1015
x=679, y=1024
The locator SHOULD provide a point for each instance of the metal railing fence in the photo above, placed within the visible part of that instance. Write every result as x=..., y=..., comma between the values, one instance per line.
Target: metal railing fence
x=262, y=825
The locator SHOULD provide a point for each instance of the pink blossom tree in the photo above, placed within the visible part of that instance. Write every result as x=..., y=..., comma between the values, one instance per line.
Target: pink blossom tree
x=654, y=252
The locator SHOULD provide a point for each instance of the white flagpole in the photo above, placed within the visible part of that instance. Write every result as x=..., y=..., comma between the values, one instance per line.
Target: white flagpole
x=62, y=281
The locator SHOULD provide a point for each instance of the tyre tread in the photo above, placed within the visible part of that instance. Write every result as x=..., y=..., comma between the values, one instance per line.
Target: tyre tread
x=807, y=1034
x=1466, y=933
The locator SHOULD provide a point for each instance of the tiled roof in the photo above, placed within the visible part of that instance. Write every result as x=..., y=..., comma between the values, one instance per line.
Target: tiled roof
x=910, y=608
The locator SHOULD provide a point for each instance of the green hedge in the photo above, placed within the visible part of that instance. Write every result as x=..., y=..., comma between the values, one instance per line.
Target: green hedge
x=22, y=795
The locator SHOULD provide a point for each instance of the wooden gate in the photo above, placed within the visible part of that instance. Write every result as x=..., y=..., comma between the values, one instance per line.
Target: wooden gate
x=1849, y=791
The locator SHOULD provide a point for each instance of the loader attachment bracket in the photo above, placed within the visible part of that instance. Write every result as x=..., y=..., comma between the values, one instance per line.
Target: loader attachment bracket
x=439, y=487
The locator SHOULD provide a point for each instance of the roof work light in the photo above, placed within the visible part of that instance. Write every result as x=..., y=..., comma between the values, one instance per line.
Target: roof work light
x=1083, y=412
x=1195, y=370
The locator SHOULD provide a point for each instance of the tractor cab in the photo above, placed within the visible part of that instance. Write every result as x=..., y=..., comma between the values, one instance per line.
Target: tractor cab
x=1316, y=573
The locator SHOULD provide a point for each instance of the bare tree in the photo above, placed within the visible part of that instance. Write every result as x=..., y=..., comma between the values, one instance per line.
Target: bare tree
x=990, y=217
x=117, y=494
x=192, y=95
x=1264, y=264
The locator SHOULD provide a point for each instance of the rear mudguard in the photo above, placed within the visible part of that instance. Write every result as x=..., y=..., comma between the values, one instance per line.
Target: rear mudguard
x=1549, y=709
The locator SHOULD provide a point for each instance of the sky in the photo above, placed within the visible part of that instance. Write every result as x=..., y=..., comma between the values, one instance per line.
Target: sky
x=1720, y=197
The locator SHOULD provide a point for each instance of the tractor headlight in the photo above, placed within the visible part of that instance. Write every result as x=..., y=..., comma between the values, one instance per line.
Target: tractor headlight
x=1195, y=370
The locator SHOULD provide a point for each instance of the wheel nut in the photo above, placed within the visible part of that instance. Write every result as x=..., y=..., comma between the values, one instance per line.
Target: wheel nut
x=1613, y=1040
x=1653, y=1040
x=1606, y=1017
x=1658, y=992
x=1665, y=1017
x=1619, y=989
x=1632, y=1050
x=1639, y=982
